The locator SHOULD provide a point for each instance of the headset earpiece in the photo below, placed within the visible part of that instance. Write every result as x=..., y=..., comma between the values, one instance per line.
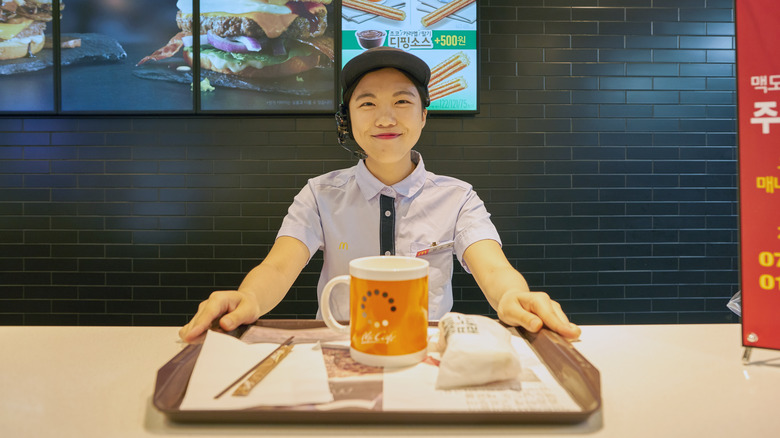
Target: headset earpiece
x=342, y=131
x=342, y=123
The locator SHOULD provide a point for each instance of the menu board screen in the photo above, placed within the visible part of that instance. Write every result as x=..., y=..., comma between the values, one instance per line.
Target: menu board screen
x=102, y=43
x=267, y=55
x=26, y=57
x=442, y=32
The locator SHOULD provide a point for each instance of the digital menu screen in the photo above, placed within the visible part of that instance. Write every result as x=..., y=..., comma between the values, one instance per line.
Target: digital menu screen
x=100, y=44
x=442, y=32
x=266, y=55
x=26, y=57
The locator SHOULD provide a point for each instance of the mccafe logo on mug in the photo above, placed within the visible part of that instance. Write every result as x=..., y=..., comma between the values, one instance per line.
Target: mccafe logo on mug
x=388, y=306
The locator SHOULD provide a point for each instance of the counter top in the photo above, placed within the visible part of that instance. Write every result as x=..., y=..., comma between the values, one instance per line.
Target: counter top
x=657, y=380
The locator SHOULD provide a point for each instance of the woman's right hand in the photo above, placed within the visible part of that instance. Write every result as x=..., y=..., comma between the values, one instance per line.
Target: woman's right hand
x=232, y=307
x=262, y=289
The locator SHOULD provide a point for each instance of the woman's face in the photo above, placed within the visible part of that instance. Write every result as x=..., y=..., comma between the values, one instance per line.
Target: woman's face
x=386, y=116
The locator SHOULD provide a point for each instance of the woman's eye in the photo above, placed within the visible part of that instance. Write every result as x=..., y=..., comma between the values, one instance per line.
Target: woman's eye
x=367, y=104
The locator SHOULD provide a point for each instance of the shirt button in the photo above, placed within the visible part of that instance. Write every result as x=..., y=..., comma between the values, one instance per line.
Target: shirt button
x=388, y=213
x=387, y=253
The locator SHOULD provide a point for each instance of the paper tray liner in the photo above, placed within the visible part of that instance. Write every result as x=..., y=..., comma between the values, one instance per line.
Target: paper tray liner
x=578, y=376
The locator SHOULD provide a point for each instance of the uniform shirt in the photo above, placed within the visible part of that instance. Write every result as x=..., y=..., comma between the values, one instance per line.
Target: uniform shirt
x=339, y=213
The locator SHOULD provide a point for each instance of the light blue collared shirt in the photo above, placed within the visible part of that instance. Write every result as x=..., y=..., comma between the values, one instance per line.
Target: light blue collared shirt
x=338, y=213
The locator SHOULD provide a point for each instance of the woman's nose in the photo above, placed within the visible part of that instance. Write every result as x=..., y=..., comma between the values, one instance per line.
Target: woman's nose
x=386, y=117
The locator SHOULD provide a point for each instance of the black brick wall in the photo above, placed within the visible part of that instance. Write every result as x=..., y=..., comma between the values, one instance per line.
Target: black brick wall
x=605, y=149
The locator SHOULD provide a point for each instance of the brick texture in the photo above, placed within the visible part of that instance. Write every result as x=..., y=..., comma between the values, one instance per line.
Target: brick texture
x=605, y=149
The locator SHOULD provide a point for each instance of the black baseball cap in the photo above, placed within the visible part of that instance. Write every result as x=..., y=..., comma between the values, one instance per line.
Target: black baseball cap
x=383, y=57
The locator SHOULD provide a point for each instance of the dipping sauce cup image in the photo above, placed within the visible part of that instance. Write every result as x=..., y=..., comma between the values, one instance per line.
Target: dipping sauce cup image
x=370, y=38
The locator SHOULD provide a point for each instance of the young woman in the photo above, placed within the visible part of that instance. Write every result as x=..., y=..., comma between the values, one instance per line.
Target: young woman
x=386, y=204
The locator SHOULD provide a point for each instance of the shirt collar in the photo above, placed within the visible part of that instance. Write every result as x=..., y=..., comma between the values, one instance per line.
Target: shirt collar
x=370, y=186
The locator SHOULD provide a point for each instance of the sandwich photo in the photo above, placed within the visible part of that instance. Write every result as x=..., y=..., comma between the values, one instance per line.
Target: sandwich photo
x=26, y=46
x=256, y=39
x=22, y=23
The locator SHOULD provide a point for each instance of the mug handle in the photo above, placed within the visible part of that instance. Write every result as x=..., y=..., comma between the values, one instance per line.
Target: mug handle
x=327, y=316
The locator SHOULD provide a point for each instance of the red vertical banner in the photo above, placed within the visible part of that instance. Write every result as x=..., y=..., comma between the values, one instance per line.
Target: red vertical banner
x=758, y=87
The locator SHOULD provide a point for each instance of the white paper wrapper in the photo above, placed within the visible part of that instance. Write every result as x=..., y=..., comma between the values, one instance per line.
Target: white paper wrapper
x=474, y=350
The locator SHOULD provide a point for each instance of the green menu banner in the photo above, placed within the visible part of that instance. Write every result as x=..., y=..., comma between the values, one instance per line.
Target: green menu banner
x=442, y=32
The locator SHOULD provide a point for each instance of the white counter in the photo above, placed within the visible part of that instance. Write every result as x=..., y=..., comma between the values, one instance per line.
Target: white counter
x=657, y=381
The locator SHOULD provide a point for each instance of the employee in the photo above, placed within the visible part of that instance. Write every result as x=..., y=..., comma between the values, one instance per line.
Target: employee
x=387, y=204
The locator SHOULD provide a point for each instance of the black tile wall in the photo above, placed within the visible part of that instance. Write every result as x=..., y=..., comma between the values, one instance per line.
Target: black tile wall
x=605, y=149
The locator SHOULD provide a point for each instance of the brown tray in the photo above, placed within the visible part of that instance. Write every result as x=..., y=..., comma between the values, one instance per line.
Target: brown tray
x=565, y=363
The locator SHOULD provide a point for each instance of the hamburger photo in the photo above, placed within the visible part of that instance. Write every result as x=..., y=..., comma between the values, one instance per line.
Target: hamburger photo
x=22, y=23
x=254, y=38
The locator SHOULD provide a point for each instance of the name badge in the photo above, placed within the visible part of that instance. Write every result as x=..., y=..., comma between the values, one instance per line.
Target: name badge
x=435, y=247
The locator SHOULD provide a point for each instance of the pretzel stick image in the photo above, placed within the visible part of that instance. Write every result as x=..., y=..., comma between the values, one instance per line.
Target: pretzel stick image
x=448, y=67
x=448, y=88
x=373, y=8
x=444, y=11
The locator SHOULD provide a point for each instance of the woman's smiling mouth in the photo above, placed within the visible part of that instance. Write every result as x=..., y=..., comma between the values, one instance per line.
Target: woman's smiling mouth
x=387, y=136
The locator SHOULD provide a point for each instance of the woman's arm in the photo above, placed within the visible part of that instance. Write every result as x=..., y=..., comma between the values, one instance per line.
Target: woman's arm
x=508, y=292
x=262, y=289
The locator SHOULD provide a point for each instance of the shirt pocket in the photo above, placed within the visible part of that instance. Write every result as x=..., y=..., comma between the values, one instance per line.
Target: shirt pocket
x=440, y=272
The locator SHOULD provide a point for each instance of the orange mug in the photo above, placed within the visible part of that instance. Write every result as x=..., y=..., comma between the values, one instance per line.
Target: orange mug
x=388, y=308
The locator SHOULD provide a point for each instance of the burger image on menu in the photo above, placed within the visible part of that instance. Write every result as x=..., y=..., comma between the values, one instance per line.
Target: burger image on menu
x=254, y=38
x=22, y=23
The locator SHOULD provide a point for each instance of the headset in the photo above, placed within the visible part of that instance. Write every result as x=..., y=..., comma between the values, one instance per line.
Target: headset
x=344, y=134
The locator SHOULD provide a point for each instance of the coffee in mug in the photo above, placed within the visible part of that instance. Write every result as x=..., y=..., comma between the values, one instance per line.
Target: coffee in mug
x=388, y=307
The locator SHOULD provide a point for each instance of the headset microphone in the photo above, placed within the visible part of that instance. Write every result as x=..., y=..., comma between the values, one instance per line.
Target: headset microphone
x=342, y=130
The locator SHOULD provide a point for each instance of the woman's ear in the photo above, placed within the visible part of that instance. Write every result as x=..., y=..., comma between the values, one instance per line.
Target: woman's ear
x=424, y=116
